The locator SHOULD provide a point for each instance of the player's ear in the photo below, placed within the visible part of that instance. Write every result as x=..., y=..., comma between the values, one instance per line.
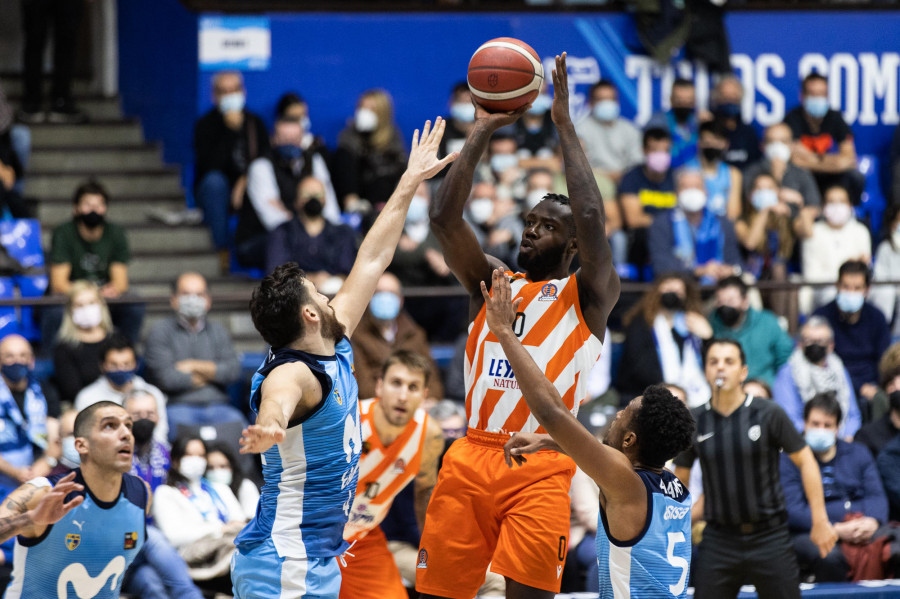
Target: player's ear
x=629, y=439
x=379, y=384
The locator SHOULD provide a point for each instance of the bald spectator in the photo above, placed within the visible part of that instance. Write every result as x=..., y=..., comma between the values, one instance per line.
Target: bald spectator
x=743, y=143
x=191, y=359
x=322, y=249
x=778, y=151
x=386, y=327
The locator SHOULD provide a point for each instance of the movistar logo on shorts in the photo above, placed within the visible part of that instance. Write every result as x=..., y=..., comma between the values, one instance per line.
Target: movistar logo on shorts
x=502, y=372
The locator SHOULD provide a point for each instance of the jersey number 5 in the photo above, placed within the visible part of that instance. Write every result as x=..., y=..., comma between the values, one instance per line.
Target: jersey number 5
x=678, y=562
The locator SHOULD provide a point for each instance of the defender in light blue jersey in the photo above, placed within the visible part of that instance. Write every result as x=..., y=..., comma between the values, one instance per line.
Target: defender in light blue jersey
x=77, y=534
x=644, y=529
x=306, y=400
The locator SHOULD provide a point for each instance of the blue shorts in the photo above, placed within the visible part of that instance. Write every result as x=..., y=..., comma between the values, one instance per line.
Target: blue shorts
x=261, y=574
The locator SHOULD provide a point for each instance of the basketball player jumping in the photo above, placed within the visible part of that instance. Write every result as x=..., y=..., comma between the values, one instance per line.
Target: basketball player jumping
x=481, y=511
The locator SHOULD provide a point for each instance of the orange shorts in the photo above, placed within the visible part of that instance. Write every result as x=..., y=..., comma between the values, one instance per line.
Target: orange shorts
x=371, y=572
x=482, y=512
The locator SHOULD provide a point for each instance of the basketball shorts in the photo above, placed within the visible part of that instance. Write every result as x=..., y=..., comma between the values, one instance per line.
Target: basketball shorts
x=261, y=573
x=371, y=572
x=484, y=512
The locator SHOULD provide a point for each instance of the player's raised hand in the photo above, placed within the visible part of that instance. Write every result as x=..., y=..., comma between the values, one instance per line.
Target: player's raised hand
x=559, y=111
x=257, y=439
x=500, y=312
x=423, y=161
x=496, y=120
x=53, y=505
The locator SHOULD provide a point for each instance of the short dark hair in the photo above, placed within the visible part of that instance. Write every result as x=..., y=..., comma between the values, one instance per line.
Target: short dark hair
x=276, y=303
x=682, y=82
x=813, y=76
x=502, y=137
x=115, y=342
x=762, y=384
x=827, y=402
x=733, y=281
x=655, y=134
x=855, y=267
x=715, y=127
x=90, y=187
x=410, y=359
x=286, y=101
x=664, y=426
x=724, y=341
x=460, y=86
x=600, y=84
x=84, y=421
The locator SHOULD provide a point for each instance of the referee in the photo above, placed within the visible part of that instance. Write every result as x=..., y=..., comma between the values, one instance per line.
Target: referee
x=738, y=440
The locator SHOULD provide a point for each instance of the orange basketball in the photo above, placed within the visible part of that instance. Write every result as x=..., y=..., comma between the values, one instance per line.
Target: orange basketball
x=505, y=74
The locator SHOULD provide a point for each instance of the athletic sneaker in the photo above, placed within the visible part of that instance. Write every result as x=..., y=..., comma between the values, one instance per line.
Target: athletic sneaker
x=31, y=114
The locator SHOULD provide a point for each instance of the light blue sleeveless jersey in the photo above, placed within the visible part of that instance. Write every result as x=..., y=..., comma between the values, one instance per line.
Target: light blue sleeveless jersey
x=310, y=477
x=656, y=563
x=85, y=554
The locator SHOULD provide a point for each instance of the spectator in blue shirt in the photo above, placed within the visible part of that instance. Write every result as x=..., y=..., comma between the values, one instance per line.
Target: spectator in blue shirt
x=681, y=121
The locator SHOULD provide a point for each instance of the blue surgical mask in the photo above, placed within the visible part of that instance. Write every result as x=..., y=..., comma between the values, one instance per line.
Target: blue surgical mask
x=850, y=302
x=418, y=210
x=70, y=455
x=503, y=162
x=233, y=102
x=820, y=440
x=120, y=377
x=464, y=112
x=289, y=151
x=606, y=110
x=541, y=104
x=816, y=106
x=385, y=305
x=15, y=372
x=764, y=198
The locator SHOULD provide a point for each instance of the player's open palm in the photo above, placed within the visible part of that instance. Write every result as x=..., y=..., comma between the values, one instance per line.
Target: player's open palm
x=257, y=439
x=500, y=312
x=423, y=160
x=53, y=505
x=559, y=110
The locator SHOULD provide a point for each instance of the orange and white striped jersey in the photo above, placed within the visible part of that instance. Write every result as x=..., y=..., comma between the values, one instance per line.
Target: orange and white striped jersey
x=383, y=471
x=551, y=326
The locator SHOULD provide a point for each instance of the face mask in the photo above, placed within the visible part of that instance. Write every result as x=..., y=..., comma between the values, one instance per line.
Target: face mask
x=385, y=305
x=14, y=373
x=540, y=105
x=220, y=475
x=671, y=301
x=503, y=162
x=728, y=315
x=143, y=430
x=659, y=162
x=313, y=207
x=535, y=197
x=418, y=210
x=764, y=198
x=816, y=106
x=728, y=110
x=820, y=440
x=120, y=377
x=850, y=302
x=682, y=114
x=606, y=110
x=712, y=154
x=778, y=151
x=87, y=317
x=894, y=399
x=92, y=220
x=233, y=102
x=836, y=214
x=481, y=210
x=70, y=456
x=289, y=152
x=191, y=306
x=192, y=467
x=464, y=112
x=815, y=353
x=366, y=120
x=692, y=200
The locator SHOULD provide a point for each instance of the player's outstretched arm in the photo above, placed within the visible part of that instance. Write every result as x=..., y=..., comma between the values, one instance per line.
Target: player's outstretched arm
x=289, y=392
x=461, y=250
x=598, y=282
x=377, y=249
x=30, y=509
x=609, y=467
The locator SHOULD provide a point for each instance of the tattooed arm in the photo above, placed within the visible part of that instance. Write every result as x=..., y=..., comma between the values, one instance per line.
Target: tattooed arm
x=30, y=509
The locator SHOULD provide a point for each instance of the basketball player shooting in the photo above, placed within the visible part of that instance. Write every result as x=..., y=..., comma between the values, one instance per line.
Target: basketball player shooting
x=481, y=511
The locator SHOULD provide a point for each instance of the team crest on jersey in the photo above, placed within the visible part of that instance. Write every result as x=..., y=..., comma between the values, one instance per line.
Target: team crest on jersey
x=338, y=398
x=423, y=559
x=130, y=540
x=548, y=293
x=754, y=432
x=72, y=541
x=399, y=466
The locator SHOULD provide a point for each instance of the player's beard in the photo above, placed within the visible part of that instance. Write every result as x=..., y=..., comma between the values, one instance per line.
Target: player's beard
x=331, y=326
x=540, y=263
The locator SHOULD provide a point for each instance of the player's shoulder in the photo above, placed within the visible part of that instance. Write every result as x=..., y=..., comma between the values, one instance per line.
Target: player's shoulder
x=135, y=490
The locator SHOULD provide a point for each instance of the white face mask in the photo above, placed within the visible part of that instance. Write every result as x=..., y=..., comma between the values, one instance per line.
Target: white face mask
x=192, y=467
x=778, y=151
x=192, y=306
x=481, y=209
x=70, y=456
x=692, y=200
x=87, y=317
x=837, y=214
x=220, y=475
x=366, y=120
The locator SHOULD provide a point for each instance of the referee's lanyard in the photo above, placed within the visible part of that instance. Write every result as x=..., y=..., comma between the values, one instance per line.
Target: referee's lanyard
x=217, y=501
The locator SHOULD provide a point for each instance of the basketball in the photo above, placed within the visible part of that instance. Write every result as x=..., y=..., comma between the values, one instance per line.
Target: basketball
x=505, y=74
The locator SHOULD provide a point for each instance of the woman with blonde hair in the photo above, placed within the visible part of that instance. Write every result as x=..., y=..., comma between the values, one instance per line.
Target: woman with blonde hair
x=370, y=156
x=85, y=326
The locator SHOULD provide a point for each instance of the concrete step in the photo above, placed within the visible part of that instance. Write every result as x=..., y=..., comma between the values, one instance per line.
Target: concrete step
x=164, y=181
x=112, y=132
x=12, y=87
x=91, y=159
x=168, y=265
x=126, y=211
x=97, y=108
x=150, y=238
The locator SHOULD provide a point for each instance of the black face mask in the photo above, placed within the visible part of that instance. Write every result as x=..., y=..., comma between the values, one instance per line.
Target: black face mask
x=142, y=430
x=894, y=399
x=682, y=113
x=815, y=353
x=671, y=301
x=91, y=220
x=712, y=154
x=313, y=207
x=728, y=315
